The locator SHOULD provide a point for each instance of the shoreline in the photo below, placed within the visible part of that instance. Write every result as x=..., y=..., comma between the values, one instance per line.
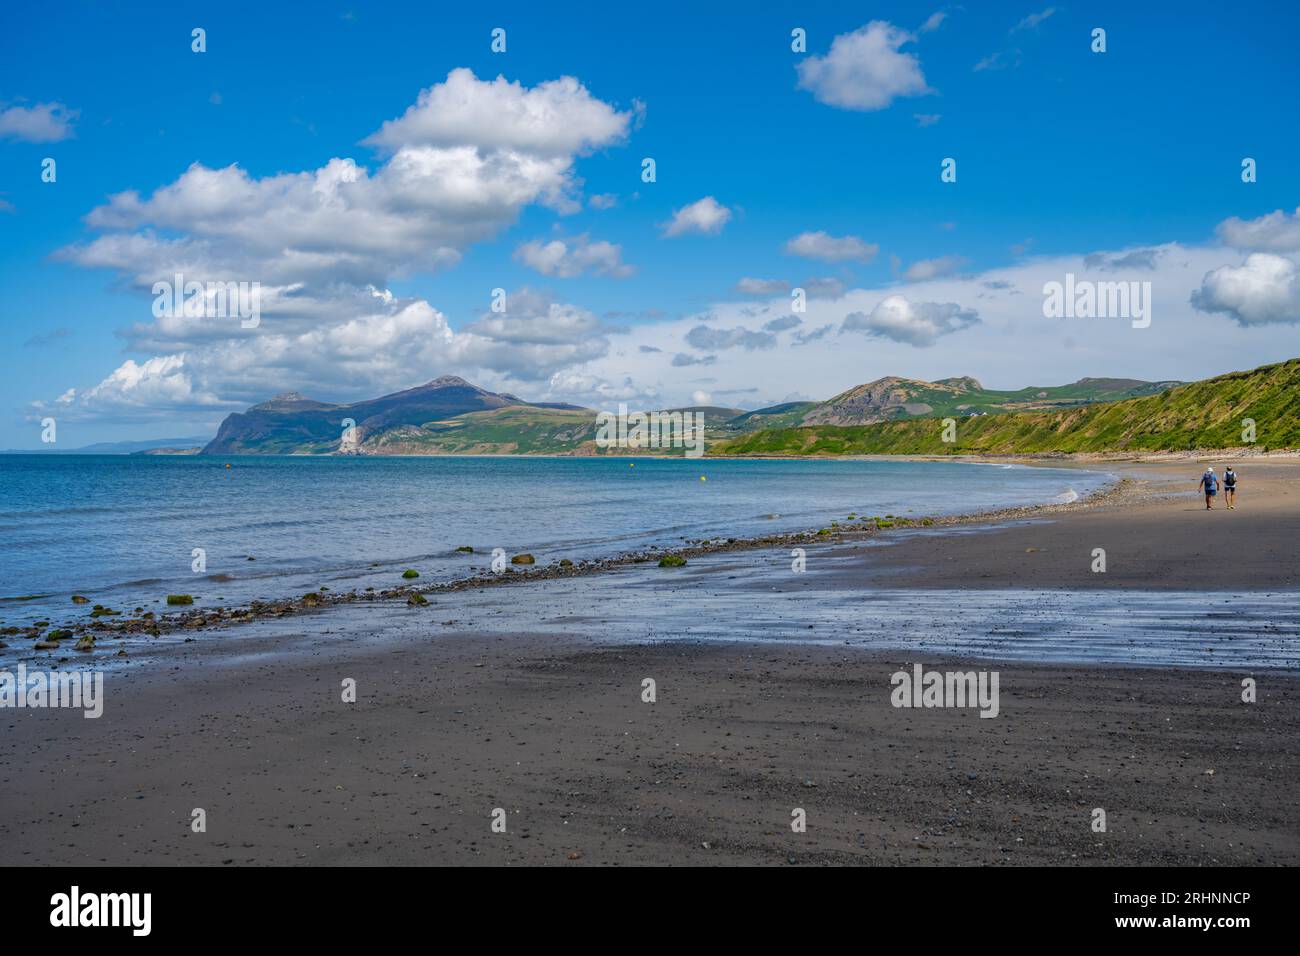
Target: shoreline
x=153, y=624
x=1126, y=489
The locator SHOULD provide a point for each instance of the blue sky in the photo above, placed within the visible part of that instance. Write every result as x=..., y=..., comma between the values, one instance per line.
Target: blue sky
x=1061, y=154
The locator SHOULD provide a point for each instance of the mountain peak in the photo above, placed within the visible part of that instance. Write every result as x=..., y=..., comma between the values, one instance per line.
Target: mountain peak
x=278, y=402
x=964, y=382
x=446, y=381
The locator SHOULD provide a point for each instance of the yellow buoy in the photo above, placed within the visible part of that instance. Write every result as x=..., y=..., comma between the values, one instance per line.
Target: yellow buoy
x=702, y=478
x=227, y=465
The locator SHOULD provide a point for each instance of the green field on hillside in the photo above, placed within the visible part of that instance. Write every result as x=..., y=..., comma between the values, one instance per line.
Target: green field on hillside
x=1206, y=414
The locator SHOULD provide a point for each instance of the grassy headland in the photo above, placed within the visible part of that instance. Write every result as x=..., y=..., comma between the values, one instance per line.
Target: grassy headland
x=1208, y=414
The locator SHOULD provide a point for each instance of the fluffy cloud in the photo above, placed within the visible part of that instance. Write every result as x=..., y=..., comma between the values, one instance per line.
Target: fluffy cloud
x=914, y=323
x=455, y=176
x=749, y=286
x=710, y=339
x=820, y=358
x=558, y=118
x=1264, y=289
x=1276, y=232
x=820, y=245
x=158, y=382
x=535, y=318
x=706, y=216
x=460, y=165
x=782, y=323
x=682, y=360
x=42, y=123
x=804, y=338
x=864, y=70
x=567, y=258
x=395, y=344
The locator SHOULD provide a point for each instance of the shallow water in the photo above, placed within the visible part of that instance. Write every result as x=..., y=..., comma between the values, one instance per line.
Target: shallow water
x=122, y=529
x=753, y=597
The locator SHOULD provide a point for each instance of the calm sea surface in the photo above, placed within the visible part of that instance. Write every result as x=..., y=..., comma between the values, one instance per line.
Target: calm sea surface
x=122, y=529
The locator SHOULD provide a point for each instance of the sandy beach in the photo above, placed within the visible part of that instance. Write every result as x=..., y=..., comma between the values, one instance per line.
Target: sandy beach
x=772, y=695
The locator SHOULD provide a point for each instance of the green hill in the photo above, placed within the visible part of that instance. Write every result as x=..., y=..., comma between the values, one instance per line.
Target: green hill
x=895, y=399
x=1206, y=414
x=514, y=430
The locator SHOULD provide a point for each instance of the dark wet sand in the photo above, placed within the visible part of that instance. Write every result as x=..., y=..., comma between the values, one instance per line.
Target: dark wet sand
x=454, y=720
x=447, y=728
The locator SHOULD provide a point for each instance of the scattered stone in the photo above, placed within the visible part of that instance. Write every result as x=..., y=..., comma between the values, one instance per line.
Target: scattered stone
x=78, y=599
x=410, y=573
x=523, y=559
x=180, y=599
x=417, y=600
x=671, y=561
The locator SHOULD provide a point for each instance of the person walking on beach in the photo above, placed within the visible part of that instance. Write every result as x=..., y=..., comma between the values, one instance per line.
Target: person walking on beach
x=1211, y=486
x=1230, y=488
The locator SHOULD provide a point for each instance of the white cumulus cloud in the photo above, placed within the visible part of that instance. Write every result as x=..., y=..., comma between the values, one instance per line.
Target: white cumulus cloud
x=706, y=216
x=914, y=323
x=42, y=123
x=1275, y=232
x=557, y=118
x=567, y=258
x=864, y=70
x=1264, y=289
x=820, y=245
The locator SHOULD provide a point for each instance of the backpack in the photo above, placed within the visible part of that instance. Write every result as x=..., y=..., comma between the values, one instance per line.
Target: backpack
x=1230, y=480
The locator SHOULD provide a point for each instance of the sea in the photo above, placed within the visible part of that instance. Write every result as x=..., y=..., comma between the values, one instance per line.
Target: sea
x=126, y=531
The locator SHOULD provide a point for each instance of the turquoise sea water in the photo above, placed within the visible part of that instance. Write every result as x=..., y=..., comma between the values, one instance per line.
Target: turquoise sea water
x=122, y=529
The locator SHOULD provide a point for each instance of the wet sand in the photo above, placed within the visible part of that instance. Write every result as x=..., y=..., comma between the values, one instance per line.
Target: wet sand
x=528, y=698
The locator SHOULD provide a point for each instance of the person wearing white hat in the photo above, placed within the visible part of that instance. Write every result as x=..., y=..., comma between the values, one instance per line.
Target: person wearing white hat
x=1211, y=485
